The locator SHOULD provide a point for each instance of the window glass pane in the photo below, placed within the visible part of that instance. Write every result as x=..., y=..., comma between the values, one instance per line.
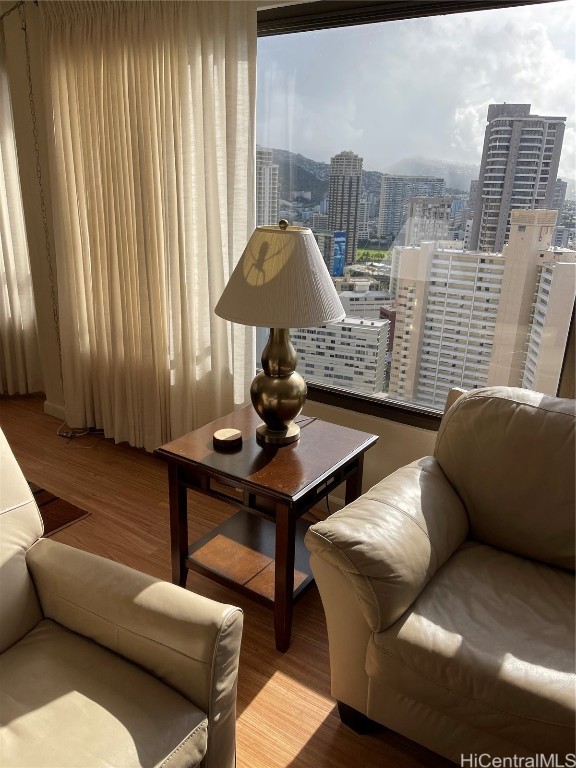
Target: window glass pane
x=433, y=159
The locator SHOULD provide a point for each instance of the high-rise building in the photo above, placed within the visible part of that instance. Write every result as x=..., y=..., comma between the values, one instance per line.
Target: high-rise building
x=350, y=354
x=559, y=198
x=564, y=237
x=363, y=303
x=363, y=220
x=319, y=222
x=266, y=187
x=428, y=219
x=562, y=234
x=325, y=240
x=395, y=191
x=518, y=170
x=343, y=198
x=471, y=319
x=469, y=212
x=472, y=196
x=457, y=213
x=555, y=279
x=536, y=301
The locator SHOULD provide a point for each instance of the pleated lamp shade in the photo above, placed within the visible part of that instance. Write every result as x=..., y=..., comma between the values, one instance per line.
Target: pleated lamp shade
x=281, y=281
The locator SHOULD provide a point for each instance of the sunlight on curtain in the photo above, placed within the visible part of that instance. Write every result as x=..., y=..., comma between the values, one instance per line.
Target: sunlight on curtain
x=151, y=164
x=20, y=370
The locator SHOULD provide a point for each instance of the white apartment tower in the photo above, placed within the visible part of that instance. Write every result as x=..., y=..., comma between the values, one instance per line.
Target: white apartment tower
x=447, y=302
x=363, y=232
x=343, y=198
x=349, y=354
x=363, y=303
x=555, y=288
x=518, y=170
x=395, y=191
x=537, y=298
x=471, y=319
x=266, y=188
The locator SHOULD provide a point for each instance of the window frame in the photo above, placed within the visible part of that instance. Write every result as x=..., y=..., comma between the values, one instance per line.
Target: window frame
x=331, y=14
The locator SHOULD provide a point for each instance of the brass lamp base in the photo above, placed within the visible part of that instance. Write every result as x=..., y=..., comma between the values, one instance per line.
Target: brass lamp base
x=267, y=436
x=278, y=393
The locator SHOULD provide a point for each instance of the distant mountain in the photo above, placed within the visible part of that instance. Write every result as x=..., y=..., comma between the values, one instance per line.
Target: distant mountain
x=456, y=175
x=318, y=169
x=299, y=173
x=372, y=181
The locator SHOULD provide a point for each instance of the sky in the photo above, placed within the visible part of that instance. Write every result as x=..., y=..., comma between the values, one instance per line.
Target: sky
x=418, y=87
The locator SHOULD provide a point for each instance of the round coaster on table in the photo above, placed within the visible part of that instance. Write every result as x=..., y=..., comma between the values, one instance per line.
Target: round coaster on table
x=227, y=439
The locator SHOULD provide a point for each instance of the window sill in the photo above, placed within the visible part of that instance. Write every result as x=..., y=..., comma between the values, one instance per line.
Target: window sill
x=391, y=410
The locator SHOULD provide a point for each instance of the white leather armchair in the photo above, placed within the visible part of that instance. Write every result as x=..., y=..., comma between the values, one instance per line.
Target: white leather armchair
x=449, y=590
x=101, y=665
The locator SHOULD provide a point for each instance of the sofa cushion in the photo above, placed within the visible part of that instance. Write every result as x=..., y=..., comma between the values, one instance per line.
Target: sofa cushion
x=101, y=706
x=489, y=641
x=20, y=526
x=510, y=455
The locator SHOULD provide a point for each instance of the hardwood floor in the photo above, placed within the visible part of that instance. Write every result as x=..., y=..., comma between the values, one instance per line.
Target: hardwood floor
x=286, y=717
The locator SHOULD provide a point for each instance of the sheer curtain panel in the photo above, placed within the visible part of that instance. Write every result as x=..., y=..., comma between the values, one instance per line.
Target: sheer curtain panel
x=20, y=369
x=152, y=172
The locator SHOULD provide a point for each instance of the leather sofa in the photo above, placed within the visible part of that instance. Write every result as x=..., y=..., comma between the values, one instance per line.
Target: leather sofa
x=448, y=587
x=101, y=665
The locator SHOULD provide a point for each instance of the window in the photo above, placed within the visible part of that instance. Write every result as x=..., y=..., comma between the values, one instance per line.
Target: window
x=349, y=109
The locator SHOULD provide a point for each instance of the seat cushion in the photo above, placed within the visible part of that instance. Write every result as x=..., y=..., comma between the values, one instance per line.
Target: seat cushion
x=490, y=641
x=66, y=701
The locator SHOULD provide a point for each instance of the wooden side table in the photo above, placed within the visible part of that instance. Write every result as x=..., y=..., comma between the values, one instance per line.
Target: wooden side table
x=259, y=551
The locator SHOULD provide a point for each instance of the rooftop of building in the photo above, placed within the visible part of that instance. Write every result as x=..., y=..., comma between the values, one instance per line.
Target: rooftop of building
x=437, y=248
x=361, y=321
x=560, y=255
x=373, y=295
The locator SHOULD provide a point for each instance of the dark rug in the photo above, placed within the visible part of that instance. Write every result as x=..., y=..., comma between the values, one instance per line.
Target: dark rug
x=56, y=513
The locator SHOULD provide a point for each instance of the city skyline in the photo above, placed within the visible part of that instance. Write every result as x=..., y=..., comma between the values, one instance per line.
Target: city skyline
x=452, y=317
x=320, y=93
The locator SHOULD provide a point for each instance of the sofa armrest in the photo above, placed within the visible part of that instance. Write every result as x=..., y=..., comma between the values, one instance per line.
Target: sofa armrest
x=188, y=641
x=393, y=539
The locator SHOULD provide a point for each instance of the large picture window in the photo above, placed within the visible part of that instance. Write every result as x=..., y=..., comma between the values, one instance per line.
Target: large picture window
x=433, y=159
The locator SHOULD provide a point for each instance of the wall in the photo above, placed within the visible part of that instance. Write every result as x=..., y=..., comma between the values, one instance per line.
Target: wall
x=25, y=142
x=399, y=444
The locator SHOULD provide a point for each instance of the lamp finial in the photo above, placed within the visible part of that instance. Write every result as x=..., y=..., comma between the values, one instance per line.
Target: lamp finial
x=283, y=224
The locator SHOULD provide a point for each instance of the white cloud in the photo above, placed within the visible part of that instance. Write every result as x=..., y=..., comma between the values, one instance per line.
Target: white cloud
x=418, y=87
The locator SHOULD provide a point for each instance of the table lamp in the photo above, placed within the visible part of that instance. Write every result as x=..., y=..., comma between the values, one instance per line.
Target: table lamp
x=280, y=282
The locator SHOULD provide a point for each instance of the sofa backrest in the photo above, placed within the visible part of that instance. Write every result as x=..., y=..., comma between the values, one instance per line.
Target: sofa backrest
x=510, y=455
x=20, y=526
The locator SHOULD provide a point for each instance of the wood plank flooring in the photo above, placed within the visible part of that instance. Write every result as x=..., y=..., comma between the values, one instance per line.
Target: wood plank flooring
x=286, y=717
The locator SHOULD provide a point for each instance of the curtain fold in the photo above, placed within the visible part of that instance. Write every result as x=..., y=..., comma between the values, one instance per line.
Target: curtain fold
x=152, y=168
x=20, y=368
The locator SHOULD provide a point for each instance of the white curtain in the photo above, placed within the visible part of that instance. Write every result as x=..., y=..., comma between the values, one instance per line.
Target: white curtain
x=20, y=370
x=152, y=173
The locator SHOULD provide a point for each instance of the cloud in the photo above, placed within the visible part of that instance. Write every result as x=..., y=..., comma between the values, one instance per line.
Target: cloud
x=419, y=87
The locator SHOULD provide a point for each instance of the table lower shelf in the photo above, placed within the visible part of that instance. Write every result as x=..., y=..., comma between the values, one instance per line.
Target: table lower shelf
x=240, y=552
